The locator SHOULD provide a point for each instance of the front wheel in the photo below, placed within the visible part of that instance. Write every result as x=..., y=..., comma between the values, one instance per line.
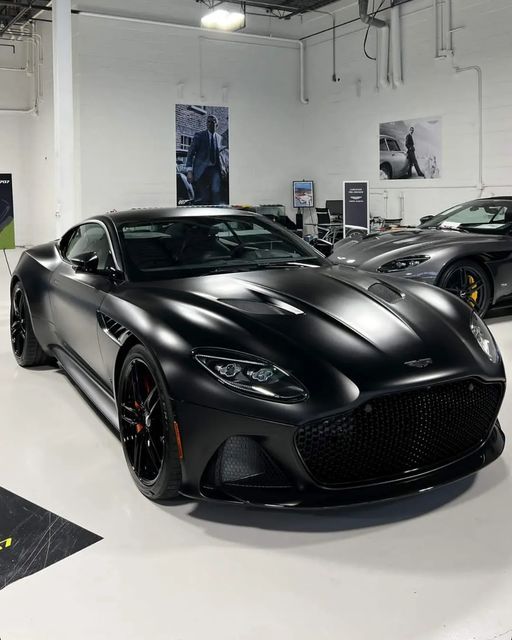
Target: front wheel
x=385, y=172
x=149, y=432
x=469, y=281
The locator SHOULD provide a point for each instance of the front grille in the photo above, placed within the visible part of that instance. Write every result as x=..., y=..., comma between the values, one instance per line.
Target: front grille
x=395, y=434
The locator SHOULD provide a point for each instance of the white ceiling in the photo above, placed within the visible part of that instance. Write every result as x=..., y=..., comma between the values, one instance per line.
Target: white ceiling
x=189, y=12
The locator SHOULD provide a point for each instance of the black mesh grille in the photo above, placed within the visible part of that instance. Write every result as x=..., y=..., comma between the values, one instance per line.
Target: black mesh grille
x=399, y=433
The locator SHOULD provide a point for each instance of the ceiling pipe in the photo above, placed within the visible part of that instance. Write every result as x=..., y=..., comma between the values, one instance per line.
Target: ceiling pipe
x=371, y=21
x=396, y=47
x=382, y=43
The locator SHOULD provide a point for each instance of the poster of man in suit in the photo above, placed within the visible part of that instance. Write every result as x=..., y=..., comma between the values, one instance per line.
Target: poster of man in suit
x=410, y=149
x=202, y=155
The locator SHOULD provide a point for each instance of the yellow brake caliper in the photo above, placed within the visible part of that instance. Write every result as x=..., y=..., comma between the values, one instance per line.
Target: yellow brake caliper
x=474, y=296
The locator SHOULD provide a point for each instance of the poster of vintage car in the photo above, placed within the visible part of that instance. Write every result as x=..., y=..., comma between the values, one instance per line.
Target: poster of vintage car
x=6, y=212
x=202, y=155
x=410, y=149
x=303, y=194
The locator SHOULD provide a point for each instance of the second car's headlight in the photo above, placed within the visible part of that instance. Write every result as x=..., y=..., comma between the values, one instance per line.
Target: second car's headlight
x=403, y=263
x=484, y=338
x=252, y=375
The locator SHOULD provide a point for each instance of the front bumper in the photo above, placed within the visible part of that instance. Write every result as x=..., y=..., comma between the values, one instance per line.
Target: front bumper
x=205, y=430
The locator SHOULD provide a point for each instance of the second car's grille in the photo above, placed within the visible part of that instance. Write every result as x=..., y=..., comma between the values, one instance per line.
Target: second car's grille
x=399, y=433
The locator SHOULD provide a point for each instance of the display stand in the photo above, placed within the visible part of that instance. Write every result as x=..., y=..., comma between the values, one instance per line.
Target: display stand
x=312, y=222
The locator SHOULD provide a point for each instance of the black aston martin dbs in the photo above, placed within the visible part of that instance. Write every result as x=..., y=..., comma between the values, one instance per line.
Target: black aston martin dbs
x=239, y=365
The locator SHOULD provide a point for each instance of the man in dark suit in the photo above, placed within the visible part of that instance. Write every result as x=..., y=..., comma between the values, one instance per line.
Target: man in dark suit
x=411, y=155
x=204, y=163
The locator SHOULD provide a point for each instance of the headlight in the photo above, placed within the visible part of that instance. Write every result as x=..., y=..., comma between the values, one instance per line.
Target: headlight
x=252, y=375
x=484, y=338
x=403, y=263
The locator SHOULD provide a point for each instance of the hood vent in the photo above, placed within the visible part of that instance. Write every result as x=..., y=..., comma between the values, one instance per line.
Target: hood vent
x=386, y=293
x=269, y=307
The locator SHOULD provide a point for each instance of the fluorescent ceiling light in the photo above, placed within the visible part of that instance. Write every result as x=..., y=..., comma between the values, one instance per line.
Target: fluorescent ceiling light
x=223, y=20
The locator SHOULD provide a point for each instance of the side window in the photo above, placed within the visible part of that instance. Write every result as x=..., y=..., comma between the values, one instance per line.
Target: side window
x=393, y=145
x=90, y=238
x=383, y=146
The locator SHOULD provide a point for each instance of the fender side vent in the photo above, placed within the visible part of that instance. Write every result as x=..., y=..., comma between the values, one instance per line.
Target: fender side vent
x=114, y=330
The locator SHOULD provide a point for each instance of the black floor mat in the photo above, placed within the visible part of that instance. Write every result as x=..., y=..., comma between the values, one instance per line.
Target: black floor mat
x=32, y=538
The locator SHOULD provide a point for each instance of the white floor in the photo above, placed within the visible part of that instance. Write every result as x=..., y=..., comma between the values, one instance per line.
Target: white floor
x=438, y=566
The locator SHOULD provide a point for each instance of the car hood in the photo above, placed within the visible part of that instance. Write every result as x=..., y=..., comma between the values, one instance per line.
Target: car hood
x=403, y=242
x=340, y=331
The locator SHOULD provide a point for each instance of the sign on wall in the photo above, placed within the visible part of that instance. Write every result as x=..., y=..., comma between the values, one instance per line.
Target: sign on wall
x=202, y=155
x=356, y=209
x=6, y=212
x=410, y=149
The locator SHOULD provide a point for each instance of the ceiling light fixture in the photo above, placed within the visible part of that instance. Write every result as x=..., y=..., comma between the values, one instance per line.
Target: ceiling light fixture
x=224, y=20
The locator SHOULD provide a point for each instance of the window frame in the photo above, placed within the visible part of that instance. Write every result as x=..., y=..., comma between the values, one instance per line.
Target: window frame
x=68, y=235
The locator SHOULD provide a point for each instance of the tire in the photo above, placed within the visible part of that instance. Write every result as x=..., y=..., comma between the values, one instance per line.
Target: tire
x=25, y=347
x=146, y=421
x=356, y=234
x=386, y=172
x=477, y=292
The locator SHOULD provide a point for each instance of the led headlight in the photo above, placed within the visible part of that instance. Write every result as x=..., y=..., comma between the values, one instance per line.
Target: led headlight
x=403, y=263
x=484, y=338
x=252, y=375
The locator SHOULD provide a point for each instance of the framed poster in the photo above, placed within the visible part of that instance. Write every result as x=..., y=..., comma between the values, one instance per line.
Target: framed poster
x=303, y=194
x=202, y=155
x=356, y=209
x=6, y=212
x=410, y=149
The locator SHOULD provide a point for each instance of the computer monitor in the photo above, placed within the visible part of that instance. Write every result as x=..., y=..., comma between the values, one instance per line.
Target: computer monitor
x=335, y=207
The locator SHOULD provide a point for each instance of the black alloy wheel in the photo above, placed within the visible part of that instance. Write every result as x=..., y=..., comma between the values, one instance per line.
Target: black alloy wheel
x=468, y=281
x=149, y=432
x=25, y=347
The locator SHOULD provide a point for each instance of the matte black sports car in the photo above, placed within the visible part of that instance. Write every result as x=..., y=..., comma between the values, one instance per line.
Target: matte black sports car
x=239, y=365
x=466, y=250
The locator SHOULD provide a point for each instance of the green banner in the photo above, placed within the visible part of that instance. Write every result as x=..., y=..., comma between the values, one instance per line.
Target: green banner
x=6, y=212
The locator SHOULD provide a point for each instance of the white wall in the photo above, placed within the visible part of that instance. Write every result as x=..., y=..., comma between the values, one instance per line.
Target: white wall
x=130, y=77
x=343, y=119
x=26, y=148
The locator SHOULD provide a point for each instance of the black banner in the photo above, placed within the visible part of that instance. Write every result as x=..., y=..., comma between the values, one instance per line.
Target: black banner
x=6, y=212
x=356, y=211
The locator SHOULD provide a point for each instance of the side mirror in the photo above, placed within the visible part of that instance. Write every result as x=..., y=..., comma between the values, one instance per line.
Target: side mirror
x=86, y=262
x=425, y=219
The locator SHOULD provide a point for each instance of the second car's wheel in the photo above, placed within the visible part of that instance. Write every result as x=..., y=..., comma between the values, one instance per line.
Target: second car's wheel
x=385, y=172
x=469, y=281
x=25, y=346
x=149, y=433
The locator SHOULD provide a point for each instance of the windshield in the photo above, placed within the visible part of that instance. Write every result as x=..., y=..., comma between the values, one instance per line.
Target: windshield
x=481, y=216
x=182, y=246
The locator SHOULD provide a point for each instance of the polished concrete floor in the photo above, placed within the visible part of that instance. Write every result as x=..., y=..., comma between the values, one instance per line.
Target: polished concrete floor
x=438, y=566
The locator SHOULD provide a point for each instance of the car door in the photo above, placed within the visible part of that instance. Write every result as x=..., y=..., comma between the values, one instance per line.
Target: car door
x=76, y=295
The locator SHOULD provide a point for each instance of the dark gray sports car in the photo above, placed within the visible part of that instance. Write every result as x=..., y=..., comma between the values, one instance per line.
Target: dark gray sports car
x=466, y=250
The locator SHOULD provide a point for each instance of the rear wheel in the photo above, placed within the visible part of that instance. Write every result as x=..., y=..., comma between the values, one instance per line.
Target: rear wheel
x=149, y=432
x=469, y=281
x=25, y=347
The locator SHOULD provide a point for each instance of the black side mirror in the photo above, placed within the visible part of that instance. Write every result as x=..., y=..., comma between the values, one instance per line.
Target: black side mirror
x=425, y=219
x=86, y=262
